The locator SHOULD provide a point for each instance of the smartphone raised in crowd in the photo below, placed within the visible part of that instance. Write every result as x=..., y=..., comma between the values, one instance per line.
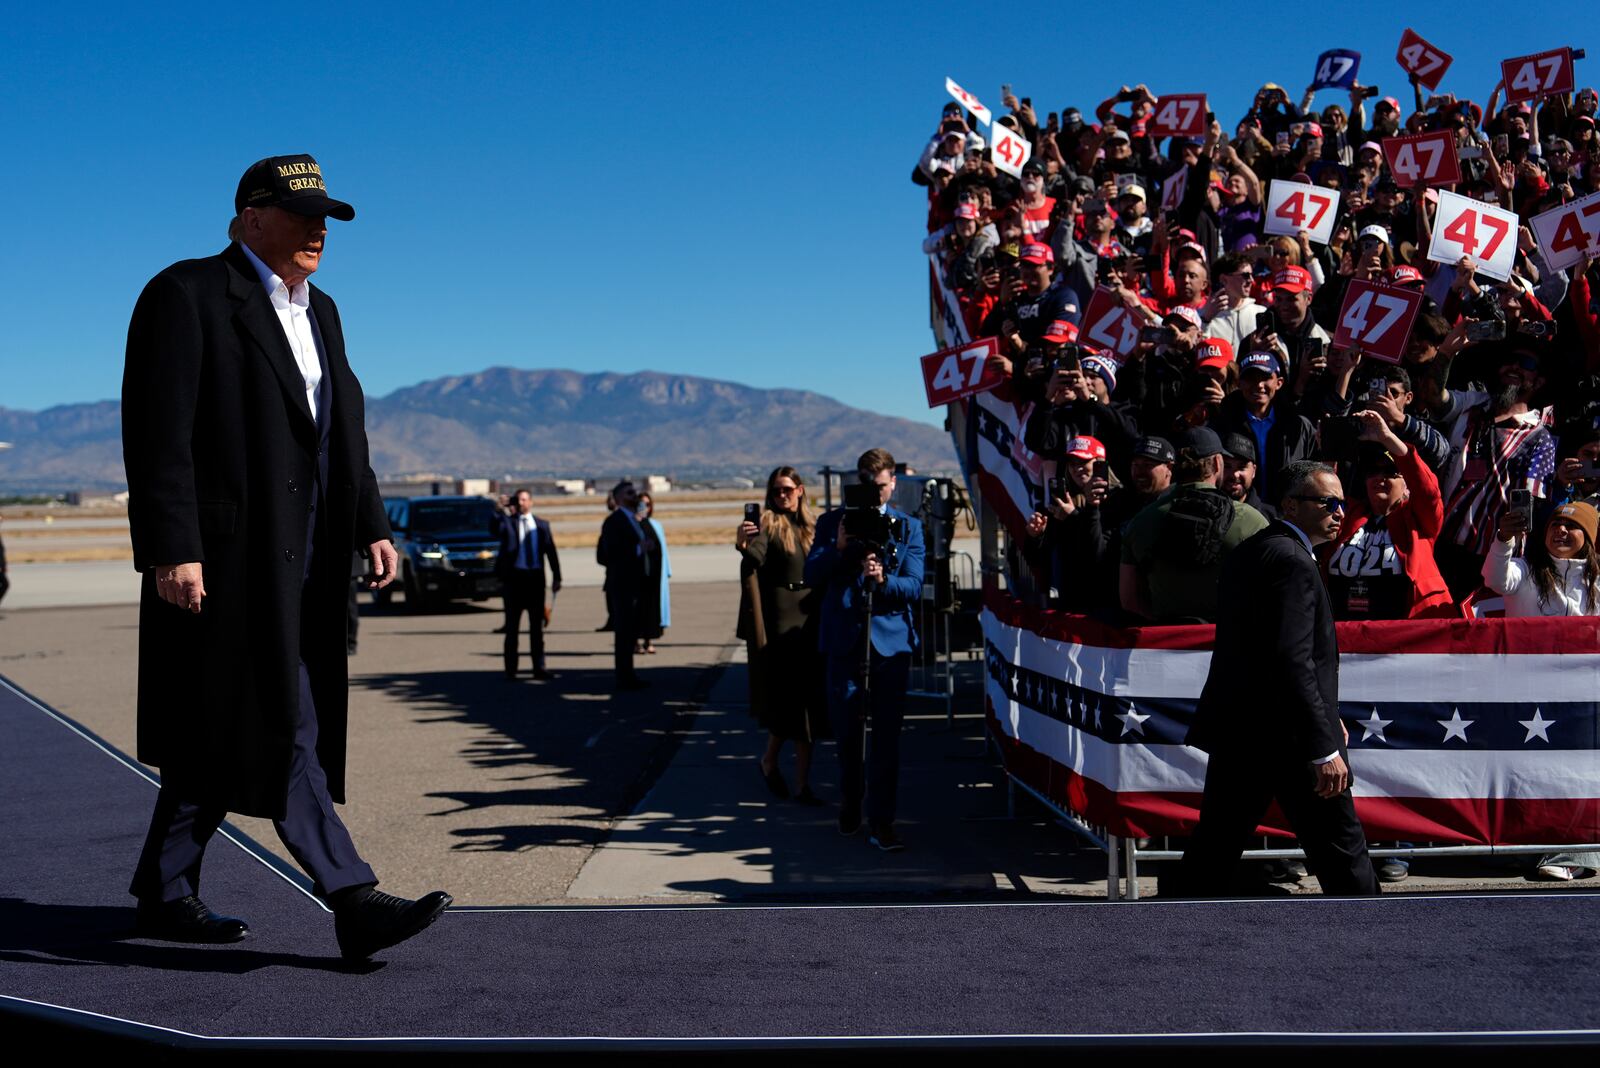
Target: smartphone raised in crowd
x=752, y=514
x=1056, y=489
x=1521, y=500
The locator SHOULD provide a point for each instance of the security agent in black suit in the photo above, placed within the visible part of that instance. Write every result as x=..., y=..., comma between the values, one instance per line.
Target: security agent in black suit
x=1269, y=714
x=249, y=485
x=621, y=551
x=526, y=545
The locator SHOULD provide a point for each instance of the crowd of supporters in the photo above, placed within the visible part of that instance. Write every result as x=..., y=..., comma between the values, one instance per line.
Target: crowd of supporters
x=1469, y=469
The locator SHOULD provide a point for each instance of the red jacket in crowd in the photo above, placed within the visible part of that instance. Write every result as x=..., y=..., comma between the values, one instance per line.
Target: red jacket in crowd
x=1414, y=526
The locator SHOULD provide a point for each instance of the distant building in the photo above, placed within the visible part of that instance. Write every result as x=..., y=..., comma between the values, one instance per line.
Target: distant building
x=657, y=484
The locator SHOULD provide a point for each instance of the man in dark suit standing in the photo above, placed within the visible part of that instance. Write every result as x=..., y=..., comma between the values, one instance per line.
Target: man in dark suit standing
x=245, y=445
x=1269, y=713
x=526, y=545
x=868, y=661
x=621, y=552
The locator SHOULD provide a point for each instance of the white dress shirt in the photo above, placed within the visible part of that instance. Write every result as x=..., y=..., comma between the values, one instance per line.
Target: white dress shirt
x=294, y=315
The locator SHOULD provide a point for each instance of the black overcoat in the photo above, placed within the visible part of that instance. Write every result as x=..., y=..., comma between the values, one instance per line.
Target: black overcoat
x=221, y=454
x=1273, y=688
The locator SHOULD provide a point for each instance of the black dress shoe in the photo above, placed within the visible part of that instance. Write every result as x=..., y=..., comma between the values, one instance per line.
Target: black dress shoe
x=774, y=780
x=187, y=920
x=367, y=921
x=883, y=836
x=544, y=676
x=849, y=819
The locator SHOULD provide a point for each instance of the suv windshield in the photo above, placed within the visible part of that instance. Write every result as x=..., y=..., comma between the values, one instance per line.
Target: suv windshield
x=451, y=517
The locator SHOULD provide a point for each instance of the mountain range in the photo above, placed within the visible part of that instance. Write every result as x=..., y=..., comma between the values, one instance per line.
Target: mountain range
x=506, y=421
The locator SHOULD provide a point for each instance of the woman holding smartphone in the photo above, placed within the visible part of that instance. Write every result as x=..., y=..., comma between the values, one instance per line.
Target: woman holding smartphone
x=1558, y=574
x=778, y=621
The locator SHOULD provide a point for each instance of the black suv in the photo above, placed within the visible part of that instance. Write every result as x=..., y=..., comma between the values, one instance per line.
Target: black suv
x=446, y=549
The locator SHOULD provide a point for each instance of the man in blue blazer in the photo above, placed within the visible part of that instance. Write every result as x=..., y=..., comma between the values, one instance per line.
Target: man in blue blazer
x=526, y=546
x=846, y=573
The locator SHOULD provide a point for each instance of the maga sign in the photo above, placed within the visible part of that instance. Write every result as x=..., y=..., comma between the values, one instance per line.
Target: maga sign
x=1467, y=227
x=1423, y=159
x=968, y=101
x=1570, y=234
x=1295, y=206
x=960, y=372
x=1179, y=115
x=1532, y=77
x=1418, y=57
x=1336, y=69
x=1377, y=319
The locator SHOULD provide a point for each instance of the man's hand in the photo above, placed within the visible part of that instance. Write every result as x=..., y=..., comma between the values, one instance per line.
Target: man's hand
x=181, y=585
x=1037, y=523
x=385, y=564
x=1333, y=778
x=1391, y=408
x=872, y=568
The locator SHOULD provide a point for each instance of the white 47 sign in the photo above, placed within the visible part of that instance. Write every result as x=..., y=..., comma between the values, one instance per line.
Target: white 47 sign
x=951, y=374
x=1377, y=319
x=1295, y=206
x=1467, y=227
x=1010, y=150
x=1570, y=233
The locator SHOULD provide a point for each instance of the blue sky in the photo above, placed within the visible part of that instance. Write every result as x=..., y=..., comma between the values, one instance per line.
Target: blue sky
x=718, y=190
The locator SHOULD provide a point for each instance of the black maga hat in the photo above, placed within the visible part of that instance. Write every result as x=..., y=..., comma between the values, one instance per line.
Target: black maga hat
x=293, y=183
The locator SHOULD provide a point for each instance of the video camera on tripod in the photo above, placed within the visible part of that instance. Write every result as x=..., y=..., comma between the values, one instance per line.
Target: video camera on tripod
x=870, y=531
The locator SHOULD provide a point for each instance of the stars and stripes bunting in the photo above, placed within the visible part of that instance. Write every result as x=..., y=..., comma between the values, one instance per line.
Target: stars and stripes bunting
x=1470, y=731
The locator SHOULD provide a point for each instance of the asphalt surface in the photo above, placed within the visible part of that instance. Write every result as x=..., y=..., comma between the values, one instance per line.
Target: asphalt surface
x=524, y=793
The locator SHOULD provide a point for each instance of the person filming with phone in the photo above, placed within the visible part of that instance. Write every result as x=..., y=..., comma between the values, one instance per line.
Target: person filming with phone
x=866, y=558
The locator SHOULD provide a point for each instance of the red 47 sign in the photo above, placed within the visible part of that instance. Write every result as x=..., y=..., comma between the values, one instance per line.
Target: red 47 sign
x=1467, y=227
x=960, y=372
x=1377, y=319
x=1295, y=206
x=1423, y=159
x=1569, y=234
x=1531, y=77
x=1418, y=57
x=1179, y=115
x=1009, y=150
x=1108, y=325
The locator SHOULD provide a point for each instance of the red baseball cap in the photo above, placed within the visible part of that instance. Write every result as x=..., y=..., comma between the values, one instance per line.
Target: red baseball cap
x=1293, y=279
x=1404, y=274
x=1313, y=129
x=1184, y=312
x=1037, y=252
x=1086, y=448
x=1062, y=330
x=966, y=210
x=1213, y=352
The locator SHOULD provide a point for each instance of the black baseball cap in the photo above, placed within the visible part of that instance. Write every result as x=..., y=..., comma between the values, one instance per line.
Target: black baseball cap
x=1201, y=440
x=1153, y=448
x=293, y=183
x=1241, y=447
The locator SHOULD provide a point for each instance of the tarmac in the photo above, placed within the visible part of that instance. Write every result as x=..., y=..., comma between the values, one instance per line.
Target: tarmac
x=521, y=793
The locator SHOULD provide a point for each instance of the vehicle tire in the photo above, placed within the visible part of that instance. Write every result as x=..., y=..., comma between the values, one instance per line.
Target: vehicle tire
x=416, y=600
